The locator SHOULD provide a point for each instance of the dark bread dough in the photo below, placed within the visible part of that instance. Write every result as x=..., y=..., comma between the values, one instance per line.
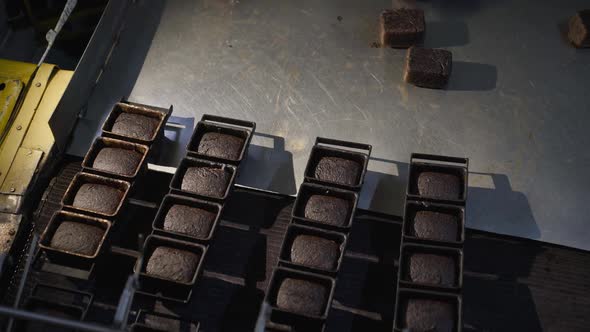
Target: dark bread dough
x=173, y=264
x=302, y=296
x=135, y=126
x=119, y=161
x=579, y=29
x=189, y=220
x=428, y=67
x=221, y=145
x=435, y=226
x=77, y=237
x=144, y=328
x=315, y=251
x=402, y=27
x=327, y=210
x=432, y=269
x=98, y=197
x=168, y=324
x=206, y=181
x=339, y=170
x=439, y=185
x=429, y=316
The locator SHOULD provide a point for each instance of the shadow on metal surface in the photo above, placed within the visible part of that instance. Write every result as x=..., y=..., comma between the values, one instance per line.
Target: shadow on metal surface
x=176, y=140
x=472, y=76
x=116, y=77
x=385, y=192
x=446, y=34
x=501, y=279
x=464, y=7
x=500, y=207
x=268, y=167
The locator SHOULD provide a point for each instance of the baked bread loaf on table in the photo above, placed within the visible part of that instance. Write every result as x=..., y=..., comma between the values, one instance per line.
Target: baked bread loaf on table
x=402, y=27
x=428, y=67
x=579, y=29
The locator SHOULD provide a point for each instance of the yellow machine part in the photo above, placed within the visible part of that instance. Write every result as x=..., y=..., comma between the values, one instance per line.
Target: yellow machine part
x=27, y=139
x=9, y=91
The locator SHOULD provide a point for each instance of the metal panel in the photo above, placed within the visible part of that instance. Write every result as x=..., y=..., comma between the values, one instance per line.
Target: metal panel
x=19, y=128
x=117, y=77
x=21, y=172
x=88, y=71
x=517, y=104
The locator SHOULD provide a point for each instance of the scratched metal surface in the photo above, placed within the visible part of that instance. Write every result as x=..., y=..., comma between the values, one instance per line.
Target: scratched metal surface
x=517, y=104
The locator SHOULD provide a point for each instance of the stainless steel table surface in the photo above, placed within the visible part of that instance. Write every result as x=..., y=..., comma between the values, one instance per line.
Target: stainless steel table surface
x=518, y=102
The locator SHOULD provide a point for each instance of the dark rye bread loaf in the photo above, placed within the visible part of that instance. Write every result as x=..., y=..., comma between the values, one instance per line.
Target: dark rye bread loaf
x=206, y=181
x=221, y=145
x=135, y=126
x=302, y=296
x=98, y=197
x=315, y=251
x=579, y=29
x=338, y=170
x=119, y=161
x=189, y=220
x=433, y=269
x=439, y=185
x=76, y=237
x=428, y=67
x=327, y=210
x=435, y=226
x=423, y=315
x=402, y=27
x=173, y=264
x=168, y=324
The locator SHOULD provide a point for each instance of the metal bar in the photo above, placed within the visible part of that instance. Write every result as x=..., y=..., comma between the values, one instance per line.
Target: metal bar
x=222, y=119
x=341, y=143
x=23, y=279
x=53, y=320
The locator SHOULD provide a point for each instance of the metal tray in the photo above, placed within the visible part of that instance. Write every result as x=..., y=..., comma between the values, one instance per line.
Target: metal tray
x=499, y=289
x=83, y=178
x=72, y=258
x=176, y=183
x=170, y=200
x=102, y=142
x=307, y=190
x=440, y=164
x=281, y=273
x=327, y=147
x=414, y=206
x=213, y=123
x=150, y=111
x=295, y=230
x=408, y=249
